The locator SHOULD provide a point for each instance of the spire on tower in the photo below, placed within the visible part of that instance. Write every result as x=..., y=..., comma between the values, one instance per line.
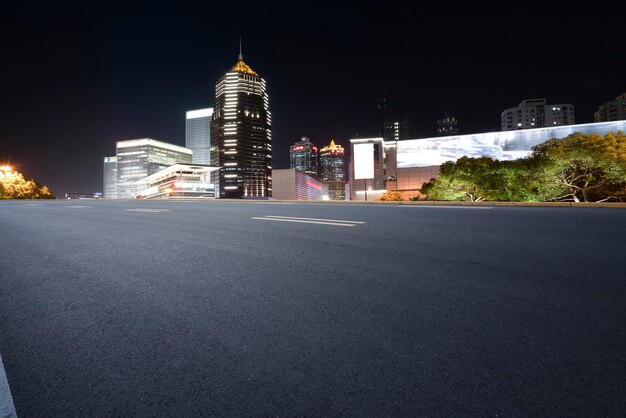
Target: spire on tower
x=240, y=51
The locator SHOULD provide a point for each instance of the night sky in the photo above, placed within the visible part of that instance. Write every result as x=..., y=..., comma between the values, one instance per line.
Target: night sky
x=75, y=78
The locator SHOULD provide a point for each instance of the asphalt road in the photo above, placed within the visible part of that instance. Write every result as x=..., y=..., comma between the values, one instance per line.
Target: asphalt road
x=111, y=308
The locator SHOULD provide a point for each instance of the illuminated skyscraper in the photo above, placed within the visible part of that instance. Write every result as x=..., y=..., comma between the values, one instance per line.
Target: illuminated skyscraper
x=198, y=135
x=303, y=156
x=333, y=172
x=241, y=134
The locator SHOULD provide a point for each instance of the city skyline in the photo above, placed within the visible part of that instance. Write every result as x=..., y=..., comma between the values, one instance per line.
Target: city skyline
x=93, y=75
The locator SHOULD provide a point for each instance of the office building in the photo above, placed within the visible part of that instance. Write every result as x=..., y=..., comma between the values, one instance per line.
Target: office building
x=448, y=125
x=613, y=110
x=198, y=134
x=377, y=166
x=241, y=134
x=109, y=188
x=332, y=170
x=139, y=158
x=291, y=184
x=178, y=181
x=396, y=127
x=304, y=157
x=536, y=113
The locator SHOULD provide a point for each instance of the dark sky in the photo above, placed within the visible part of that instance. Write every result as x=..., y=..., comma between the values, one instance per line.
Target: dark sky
x=75, y=78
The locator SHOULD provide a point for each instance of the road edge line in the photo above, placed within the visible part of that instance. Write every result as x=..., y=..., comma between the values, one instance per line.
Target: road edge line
x=7, y=408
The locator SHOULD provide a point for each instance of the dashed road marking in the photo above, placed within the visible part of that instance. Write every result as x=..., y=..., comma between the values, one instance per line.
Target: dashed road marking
x=318, y=221
x=314, y=219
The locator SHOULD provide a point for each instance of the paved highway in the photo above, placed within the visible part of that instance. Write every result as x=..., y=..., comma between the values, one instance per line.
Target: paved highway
x=152, y=308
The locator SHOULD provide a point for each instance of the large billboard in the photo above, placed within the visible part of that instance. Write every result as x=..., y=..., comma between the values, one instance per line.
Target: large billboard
x=363, y=161
x=505, y=145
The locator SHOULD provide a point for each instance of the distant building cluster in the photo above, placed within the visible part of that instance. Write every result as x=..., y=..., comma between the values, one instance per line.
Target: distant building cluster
x=536, y=113
x=613, y=110
x=228, y=150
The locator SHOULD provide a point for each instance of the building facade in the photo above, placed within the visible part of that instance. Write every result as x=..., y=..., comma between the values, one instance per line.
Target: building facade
x=304, y=157
x=109, y=188
x=291, y=184
x=333, y=170
x=613, y=110
x=536, y=113
x=396, y=127
x=373, y=183
x=139, y=158
x=408, y=164
x=198, y=134
x=178, y=181
x=241, y=134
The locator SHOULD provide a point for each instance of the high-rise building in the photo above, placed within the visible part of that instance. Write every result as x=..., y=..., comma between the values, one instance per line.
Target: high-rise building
x=610, y=111
x=139, y=158
x=303, y=156
x=396, y=127
x=332, y=170
x=536, y=113
x=198, y=134
x=448, y=125
x=241, y=134
x=109, y=177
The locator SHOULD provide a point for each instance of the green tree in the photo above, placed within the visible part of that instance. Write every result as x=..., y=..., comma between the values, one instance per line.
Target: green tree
x=473, y=179
x=582, y=167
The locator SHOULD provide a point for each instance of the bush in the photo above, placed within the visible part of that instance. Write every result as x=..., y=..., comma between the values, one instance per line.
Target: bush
x=391, y=196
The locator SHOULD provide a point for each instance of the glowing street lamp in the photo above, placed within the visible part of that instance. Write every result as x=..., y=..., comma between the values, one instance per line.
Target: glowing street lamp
x=6, y=168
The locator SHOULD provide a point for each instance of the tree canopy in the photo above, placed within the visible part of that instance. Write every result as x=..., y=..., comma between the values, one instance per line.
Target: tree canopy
x=590, y=168
x=13, y=185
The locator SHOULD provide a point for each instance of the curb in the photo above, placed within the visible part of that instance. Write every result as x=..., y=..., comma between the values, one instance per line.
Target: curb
x=7, y=409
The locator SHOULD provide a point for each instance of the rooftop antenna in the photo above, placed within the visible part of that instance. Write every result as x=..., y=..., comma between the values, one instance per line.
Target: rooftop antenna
x=240, y=53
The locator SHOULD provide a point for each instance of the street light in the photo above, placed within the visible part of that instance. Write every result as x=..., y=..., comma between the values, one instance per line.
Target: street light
x=6, y=168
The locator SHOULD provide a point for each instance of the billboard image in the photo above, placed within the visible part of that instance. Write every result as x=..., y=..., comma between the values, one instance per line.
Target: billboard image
x=363, y=161
x=505, y=145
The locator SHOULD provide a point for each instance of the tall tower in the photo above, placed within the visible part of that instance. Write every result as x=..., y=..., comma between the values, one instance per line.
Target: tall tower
x=303, y=156
x=241, y=134
x=198, y=134
x=333, y=171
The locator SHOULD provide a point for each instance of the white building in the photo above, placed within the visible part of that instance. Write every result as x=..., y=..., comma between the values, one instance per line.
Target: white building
x=198, y=134
x=614, y=110
x=178, y=181
x=139, y=158
x=536, y=113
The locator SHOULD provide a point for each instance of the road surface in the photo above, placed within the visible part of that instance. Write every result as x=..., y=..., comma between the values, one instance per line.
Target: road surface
x=155, y=308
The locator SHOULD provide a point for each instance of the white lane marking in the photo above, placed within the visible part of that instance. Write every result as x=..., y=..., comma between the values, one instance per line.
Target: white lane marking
x=31, y=204
x=444, y=207
x=313, y=219
x=301, y=221
x=147, y=210
x=77, y=207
